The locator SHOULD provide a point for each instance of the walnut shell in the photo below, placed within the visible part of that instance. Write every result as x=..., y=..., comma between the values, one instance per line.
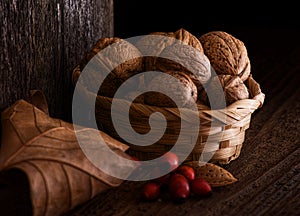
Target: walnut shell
x=227, y=54
x=97, y=47
x=146, y=41
x=152, y=47
x=185, y=58
x=189, y=39
x=182, y=90
x=116, y=64
x=232, y=88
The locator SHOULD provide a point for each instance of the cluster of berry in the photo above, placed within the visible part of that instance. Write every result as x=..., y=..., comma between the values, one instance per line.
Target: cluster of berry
x=180, y=183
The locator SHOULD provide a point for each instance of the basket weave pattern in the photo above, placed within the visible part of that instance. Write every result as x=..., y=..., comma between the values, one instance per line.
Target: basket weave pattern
x=221, y=132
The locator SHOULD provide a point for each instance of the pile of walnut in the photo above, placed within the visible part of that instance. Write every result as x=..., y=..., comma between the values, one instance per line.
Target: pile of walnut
x=209, y=68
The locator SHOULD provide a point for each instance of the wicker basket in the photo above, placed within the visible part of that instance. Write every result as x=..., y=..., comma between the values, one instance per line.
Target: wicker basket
x=225, y=137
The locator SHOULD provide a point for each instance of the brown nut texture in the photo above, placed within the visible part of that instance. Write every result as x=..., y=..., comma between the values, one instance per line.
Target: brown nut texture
x=158, y=45
x=227, y=54
x=223, y=90
x=152, y=45
x=112, y=60
x=180, y=89
x=181, y=57
x=188, y=38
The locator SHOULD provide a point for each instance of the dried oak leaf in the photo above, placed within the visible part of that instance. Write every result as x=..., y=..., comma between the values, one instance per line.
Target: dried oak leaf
x=214, y=174
x=46, y=149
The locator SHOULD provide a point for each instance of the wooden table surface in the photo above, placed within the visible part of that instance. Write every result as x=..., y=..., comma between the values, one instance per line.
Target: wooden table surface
x=268, y=168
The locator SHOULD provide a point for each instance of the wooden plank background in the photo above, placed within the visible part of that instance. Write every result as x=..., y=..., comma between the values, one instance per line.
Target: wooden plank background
x=41, y=41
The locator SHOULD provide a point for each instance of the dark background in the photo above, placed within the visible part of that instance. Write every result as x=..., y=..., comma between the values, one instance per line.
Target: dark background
x=264, y=29
x=134, y=17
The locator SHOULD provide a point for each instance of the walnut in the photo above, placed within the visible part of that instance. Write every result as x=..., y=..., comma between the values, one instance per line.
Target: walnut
x=189, y=39
x=227, y=54
x=117, y=63
x=152, y=47
x=180, y=57
x=154, y=43
x=181, y=90
x=232, y=88
x=149, y=45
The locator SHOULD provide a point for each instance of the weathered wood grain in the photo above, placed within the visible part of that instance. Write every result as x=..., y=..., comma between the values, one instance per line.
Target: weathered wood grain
x=41, y=42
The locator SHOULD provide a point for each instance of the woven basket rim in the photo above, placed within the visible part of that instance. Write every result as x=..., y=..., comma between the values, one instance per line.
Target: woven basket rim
x=235, y=111
x=232, y=120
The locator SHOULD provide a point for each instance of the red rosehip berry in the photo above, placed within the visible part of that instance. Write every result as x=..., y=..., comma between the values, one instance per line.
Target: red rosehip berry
x=200, y=187
x=187, y=171
x=151, y=191
x=179, y=188
x=171, y=160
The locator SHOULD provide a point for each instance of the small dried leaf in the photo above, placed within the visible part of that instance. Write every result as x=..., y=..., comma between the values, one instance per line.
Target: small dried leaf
x=46, y=149
x=214, y=174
